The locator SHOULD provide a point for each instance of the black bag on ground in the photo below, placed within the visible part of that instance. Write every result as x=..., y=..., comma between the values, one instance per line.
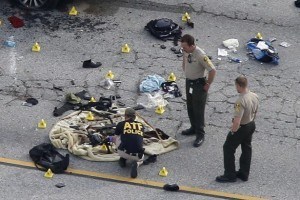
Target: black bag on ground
x=164, y=28
x=47, y=157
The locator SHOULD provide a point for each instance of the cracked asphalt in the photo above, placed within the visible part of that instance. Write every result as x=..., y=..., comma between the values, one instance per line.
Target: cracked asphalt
x=98, y=33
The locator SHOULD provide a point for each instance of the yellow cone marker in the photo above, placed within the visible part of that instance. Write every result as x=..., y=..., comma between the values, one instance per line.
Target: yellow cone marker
x=172, y=77
x=92, y=99
x=103, y=148
x=90, y=116
x=36, y=47
x=125, y=48
x=186, y=17
x=73, y=11
x=42, y=124
x=160, y=110
x=259, y=36
x=163, y=172
x=49, y=174
x=110, y=75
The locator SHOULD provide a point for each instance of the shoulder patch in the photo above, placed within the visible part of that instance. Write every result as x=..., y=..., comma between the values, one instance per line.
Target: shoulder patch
x=237, y=107
x=208, y=61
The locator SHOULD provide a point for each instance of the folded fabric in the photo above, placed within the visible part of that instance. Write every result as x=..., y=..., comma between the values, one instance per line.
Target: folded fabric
x=151, y=83
x=72, y=98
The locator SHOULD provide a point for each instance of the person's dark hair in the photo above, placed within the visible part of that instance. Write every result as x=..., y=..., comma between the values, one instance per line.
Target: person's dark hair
x=190, y=40
x=241, y=81
x=130, y=113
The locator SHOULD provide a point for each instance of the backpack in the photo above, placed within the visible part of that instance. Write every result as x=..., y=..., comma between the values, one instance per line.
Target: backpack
x=47, y=157
x=266, y=55
x=164, y=28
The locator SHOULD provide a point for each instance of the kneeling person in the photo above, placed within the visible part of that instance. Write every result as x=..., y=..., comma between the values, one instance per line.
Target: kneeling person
x=131, y=135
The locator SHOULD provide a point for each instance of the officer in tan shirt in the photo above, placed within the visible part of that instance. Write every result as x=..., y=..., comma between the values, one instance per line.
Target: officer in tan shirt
x=243, y=126
x=195, y=65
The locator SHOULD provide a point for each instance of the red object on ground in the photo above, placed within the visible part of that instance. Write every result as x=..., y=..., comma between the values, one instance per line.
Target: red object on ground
x=16, y=22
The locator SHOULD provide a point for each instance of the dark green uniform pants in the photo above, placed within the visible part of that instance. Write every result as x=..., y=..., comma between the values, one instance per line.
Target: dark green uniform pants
x=242, y=137
x=196, y=100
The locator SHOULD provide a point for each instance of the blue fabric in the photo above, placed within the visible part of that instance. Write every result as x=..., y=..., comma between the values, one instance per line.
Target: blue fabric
x=151, y=83
x=263, y=55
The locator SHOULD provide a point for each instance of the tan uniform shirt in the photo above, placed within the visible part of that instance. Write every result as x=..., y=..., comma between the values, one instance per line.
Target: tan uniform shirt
x=196, y=63
x=246, y=107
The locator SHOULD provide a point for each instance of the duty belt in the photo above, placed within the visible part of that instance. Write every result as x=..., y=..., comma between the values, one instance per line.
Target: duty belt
x=246, y=124
x=201, y=81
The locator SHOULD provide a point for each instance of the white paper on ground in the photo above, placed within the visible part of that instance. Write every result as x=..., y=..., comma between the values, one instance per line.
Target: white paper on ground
x=222, y=52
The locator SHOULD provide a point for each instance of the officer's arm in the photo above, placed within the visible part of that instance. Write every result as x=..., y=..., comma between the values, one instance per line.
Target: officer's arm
x=211, y=76
x=235, y=124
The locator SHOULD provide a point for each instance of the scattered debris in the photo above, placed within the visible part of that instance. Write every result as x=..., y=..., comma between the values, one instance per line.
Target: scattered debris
x=164, y=29
x=26, y=104
x=222, y=52
x=10, y=42
x=285, y=44
x=262, y=45
x=32, y=101
x=272, y=39
x=57, y=88
x=190, y=23
x=151, y=83
x=91, y=64
x=16, y=22
x=60, y=185
x=268, y=55
x=232, y=59
x=173, y=49
x=231, y=44
x=169, y=187
x=163, y=46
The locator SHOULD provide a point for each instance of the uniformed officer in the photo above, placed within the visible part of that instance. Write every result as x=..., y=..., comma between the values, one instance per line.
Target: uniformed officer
x=195, y=64
x=130, y=142
x=243, y=126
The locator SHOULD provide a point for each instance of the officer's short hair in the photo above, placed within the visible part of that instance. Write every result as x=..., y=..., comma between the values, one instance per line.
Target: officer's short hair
x=130, y=113
x=241, y=81
x=190, y=40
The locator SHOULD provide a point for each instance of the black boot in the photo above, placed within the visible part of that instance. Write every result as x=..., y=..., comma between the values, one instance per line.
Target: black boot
x=189, y=131
x=241, y=176
x=225, y=179
x=91, y=64
x=122, y=162
x=199, y=140
x=134, y=167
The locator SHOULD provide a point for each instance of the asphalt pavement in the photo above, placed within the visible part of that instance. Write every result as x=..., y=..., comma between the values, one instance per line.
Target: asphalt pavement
x=98, y=33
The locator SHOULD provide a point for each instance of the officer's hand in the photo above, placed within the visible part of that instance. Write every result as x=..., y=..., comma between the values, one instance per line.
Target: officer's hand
x=206, y=87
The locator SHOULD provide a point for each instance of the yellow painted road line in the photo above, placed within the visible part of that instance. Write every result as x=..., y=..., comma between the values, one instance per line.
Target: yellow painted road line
x=141, y=182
